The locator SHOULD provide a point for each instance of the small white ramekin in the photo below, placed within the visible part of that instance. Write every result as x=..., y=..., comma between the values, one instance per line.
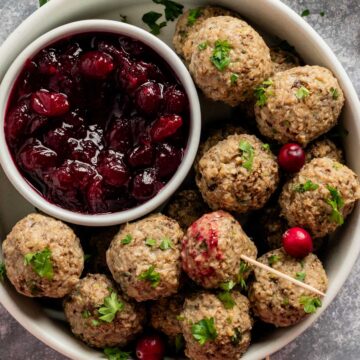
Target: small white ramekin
x=28, y=192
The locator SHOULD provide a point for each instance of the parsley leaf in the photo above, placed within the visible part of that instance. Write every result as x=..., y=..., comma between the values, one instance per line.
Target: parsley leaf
x=306, y=12
x=227, y=286
x=308, y=186
x=310, y=304
x=266, y=147
x=261, y=93
x=95, y=322
x=179, y=343
x=43, y=2
x=126, y=240
x=194, y=14
x=123, y=18
x=110, y=308
x=115, y=353
x=2, y=271
x=166, y=244
x=86, y=314
x=234, y=78
x=302, y=93
x=204, y=330
x=236, y=338
x=172, y=9
x=300, y=276
x=273, y=259
x=150, y=242
x=248, y=154
x=337, y=203
x=226, y=298
x=334, y=93
x=202, y=46
x=150, y=19
x=151, y=276
x=221, y=55
x=244, y=268
x=41, y=263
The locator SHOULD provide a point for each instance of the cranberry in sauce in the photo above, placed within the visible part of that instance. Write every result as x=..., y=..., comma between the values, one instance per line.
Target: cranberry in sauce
x=97, y=123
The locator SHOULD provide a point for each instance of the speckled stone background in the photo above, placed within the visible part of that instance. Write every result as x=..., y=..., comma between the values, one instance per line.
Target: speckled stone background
x=337, y=333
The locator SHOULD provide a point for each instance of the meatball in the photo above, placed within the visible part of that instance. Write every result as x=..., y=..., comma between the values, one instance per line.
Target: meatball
x=320, y=196
x=212, y=247
x=83, y=310
x=276, y=300
x=144, y=257
x=165, y=315
x=186, y=207
x=324, y=148
x=43, y=257
x=190, y=23
x=228, y=330
x=299, y=104
x=238, y=174
x=229, y=59
x=283, y=60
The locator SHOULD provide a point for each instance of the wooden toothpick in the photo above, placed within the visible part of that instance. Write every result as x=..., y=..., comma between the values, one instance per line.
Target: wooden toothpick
x=282, y=275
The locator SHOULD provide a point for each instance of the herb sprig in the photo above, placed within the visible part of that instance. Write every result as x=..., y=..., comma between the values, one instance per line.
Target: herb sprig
x=150, y=275
x=300, y=276
x=41, y=263
x=226, y=298
x=204, y=330
x=261, y=92
x=150, y=19
x=2, y=271
x=310, y=304
x=126, y=240
x=248, y=154
x=244, y=268
x=110, y=308
x=43, y=2
x=172, y=9
x=337, y=203
x=221, y=54
x=116, y=353
x=307, y=186
x=194, y=14
x=273, y=259
x=302, y=93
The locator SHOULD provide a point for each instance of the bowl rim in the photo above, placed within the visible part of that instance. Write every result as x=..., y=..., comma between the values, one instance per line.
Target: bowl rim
x=169, y=56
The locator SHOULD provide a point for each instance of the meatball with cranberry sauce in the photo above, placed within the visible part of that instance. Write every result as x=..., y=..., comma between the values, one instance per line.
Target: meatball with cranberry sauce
x=97, y=123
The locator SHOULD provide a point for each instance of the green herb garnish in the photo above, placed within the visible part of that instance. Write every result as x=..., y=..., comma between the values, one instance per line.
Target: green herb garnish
x=308, y=186
x=226, y=298
x=322, y=13
x=310, y=304
x=194, y=14
x=337, y=203
x=86, y=314
x=204, y=330
x=150, y=19
x=236, y=338
x=179, y=343
x=150, y=242
x=334, y=93
x=123, y=18
x=2, y=271
x=43, y=2
x=300, y=276
x=227, y=286
x=172, y=9
x=110, y=308
x=248, y=153
x=306, y=12
x=221, y=55
x=302, y=93
x=261, y=93
x=166, y=244
x=115, y=353
x=244, y=268
x=95, y=322
x=202, y=46
x=265, y=147
x=273, y=259
x=126, y=240
x=151, y=276
x=40, y=263
x=180, y=318
x=286, y=301
x=234, y=78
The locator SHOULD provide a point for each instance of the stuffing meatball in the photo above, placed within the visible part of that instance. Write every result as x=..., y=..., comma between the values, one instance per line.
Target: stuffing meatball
x=238, y=174
x=165, y=315
x=144, y=257
x=229, y=59
x=83, y=309
x=43, y=257
x=299, y=105
x=186, y=207
x=228, y=332
x=283, y=60
x=324, y=148
x=320, y=196
x=190, y=23
x=212, y=247
x=276, y=300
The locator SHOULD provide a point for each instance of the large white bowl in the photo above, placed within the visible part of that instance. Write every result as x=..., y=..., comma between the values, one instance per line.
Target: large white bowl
x=271, y=16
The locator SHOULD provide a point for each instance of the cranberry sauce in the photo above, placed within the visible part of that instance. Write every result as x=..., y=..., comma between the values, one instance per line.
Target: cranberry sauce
x=97, y=123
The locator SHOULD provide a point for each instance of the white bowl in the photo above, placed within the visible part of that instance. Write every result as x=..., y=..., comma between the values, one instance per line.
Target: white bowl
x=273, y=17
x=115, y=27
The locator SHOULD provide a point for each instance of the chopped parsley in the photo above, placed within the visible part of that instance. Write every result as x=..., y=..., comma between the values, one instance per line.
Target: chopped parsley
x=151, y=276
x=302, y=93
x=273, y=259
x=221, y=55
x=126, y=240
x=204, y=330
x=306, y=12
x=166, y=244
x=116, y=353
x=95, y=322
x=261, y=93
x=43, y=2
x=202, y=46
x=110, y=308
x=86, y=314
x=337, y=203
x=226, y=298
x=179, y=343
x=244, y=268
x=2, y=271
x=194, y=14
x=248, y=153
x=172, y=9
x=322, y=13
x=40, y=263
x=123, y=18
x=266, y=147
x=310, y=304
x=308, y=186
x=300, y=276
x=236, y=338
x=150, y=242
x=227, y=286
x=334, y=93
x=180, y=318
x=234, y=78
x=286, y=301
x=150, y=19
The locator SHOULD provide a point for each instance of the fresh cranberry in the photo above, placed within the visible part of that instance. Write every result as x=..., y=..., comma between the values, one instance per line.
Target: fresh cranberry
x=118, y=55
x=165, y=127
x=47, y=62
x=175, y=100
x=150, y=347
x=113, y=169
x=96, y=64
x=132, y=47
x=145, y=185
x=57, y=139
x=49, y=103
x=168, y=159
x=148, y=98
x=119, y=135
x=95, y=197
x=291, y=157
x=297, y=242
x=37, y=122
x=141, y=156
x=139, y=130
x=17, y=121
x=73, y=120
x=134, y=74
x=83, y=150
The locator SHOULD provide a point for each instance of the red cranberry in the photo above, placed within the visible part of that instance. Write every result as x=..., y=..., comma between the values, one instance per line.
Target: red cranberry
x=150, y=347
x=73, y=120
x=96, y=64
x=145, y=185
x=49, y=103
x=142, y=155
x=113, y=169
x=37, y=123
x=119, y=135
x=95, y=197
x=165, y=126
x=117, y=54
x=133, y=74
x=175, y=100
x=132, y=47
x=148, y=98
x=291, y=157
x=83, y=150
x=17, y=121
x=47, y=62
x=168, y=159
x=297, y=242
x=57, y=139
